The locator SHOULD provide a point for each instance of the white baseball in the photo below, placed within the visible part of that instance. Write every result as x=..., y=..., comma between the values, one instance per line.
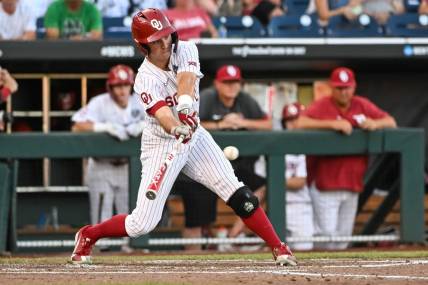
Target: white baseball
x=231, y=152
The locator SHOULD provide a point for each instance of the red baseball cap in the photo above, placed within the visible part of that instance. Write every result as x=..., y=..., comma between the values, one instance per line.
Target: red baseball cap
x=342, y=77
x=228, y=73
x=292, y=111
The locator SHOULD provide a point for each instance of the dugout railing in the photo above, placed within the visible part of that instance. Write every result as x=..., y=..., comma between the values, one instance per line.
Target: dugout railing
x=408, y=143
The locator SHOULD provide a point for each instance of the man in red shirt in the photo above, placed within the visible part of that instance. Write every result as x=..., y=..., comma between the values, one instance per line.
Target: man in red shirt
x=190, y=21
x=336, y=181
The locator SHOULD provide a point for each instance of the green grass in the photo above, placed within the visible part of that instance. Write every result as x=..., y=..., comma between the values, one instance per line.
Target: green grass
x=257, y=256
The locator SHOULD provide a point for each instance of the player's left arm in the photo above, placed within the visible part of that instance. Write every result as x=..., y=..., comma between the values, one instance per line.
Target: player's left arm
x=376, y=118
x=188, y=72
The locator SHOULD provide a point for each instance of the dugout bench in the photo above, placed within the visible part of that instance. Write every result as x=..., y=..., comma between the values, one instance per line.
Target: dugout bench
x=407, y=142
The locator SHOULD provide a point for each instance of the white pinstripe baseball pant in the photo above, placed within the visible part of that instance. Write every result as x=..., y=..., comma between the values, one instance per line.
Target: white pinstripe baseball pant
x=201, y=159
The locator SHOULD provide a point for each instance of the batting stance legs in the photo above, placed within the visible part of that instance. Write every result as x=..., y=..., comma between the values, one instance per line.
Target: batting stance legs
x=196, y=159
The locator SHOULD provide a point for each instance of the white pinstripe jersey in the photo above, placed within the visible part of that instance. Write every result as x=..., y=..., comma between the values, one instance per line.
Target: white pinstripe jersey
x=158, y=87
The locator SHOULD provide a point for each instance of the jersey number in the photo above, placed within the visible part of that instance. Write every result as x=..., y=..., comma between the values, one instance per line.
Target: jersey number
x=146, y=97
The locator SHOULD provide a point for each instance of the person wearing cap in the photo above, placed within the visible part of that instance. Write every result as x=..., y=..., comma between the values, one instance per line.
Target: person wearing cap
x=299, y=213
x=118, y=113
x=226, y=107
x=335, y=182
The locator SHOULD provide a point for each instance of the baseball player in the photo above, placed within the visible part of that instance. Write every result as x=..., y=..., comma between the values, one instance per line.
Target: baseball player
x=298, y=202
x=168, y=83
x=121, y=115
x=336, y=181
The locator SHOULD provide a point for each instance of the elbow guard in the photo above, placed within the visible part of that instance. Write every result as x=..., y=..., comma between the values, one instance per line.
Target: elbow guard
x=243, y=202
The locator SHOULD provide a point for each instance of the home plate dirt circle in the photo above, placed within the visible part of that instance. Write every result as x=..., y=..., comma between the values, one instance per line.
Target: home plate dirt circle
x=207, y=272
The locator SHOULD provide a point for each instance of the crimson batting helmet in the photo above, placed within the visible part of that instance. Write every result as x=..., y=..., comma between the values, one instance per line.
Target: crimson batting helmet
x=120, y=74
x=150, y=25
x=291, y=112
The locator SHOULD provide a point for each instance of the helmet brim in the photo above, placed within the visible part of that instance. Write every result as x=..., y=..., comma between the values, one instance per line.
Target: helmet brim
x=160, y=34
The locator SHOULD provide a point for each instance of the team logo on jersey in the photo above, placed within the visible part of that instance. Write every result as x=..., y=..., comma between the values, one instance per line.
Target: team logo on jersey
x=146, y=98
x=156, y=24
x=171, y=101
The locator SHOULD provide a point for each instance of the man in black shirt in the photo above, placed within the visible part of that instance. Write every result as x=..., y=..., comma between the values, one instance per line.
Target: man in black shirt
x=226, y=107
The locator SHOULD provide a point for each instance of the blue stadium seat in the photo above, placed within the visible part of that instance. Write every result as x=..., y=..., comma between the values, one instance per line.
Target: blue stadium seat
x=412, y=5
x=296, y=7
x=117, y=27
x=340, y=27
x=295, y=26
x=407, y=25
x=40, y=28
x=240, y=27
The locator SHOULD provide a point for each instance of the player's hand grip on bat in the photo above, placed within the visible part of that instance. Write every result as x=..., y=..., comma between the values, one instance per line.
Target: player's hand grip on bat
x=186, y=114
x=135, y=129
x=184, y=131
x=115, y=130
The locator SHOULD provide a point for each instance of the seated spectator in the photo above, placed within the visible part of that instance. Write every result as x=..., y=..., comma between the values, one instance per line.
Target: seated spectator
x=350, y=10
x=230, y=8
x=226, y=107
x=17, y=21
x=74, y=20
x=210, y=6
x=266, y=10
x=382, y=9
x=299, y=214
x=423, y=7
x=336, y=181
x=113, y=8
x=190, y=21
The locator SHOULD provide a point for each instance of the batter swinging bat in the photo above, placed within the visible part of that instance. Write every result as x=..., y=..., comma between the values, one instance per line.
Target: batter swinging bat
x=158, y=177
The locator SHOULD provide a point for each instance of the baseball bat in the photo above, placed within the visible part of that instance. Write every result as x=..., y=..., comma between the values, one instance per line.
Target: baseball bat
x=158, y=177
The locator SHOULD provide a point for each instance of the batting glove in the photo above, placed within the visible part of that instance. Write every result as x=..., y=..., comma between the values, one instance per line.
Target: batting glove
x=115, y=130
x=135, y=129
x=186, y=114
x=182, y=131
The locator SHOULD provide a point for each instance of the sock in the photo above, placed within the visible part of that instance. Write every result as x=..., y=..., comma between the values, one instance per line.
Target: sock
x=259, y=223
x=114, y=227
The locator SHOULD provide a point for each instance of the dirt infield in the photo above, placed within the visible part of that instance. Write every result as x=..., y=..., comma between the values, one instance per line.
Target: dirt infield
x=241, y=271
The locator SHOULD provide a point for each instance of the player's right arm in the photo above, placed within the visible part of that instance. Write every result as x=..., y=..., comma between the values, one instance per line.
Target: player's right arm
x=305, y=122
x=171, y=125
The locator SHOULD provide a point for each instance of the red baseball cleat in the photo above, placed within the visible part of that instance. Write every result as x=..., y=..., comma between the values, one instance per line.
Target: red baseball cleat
x=82, y=248
x=283, y=255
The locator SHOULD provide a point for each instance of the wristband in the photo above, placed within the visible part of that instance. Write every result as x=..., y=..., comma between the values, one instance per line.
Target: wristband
x=185, y=99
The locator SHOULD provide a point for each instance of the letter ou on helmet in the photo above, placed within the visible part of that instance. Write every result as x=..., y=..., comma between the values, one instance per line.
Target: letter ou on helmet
x=150, y=25
x=120, y=74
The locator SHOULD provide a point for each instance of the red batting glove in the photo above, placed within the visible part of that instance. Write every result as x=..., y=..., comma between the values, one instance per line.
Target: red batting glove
x=191, y=119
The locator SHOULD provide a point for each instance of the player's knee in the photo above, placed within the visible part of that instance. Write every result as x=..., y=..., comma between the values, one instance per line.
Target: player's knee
x=136, y=228
x=243, y=202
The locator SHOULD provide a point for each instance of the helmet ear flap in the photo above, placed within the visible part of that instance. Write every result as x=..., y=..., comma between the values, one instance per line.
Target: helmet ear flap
x=174, y=37
x=144, y=48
